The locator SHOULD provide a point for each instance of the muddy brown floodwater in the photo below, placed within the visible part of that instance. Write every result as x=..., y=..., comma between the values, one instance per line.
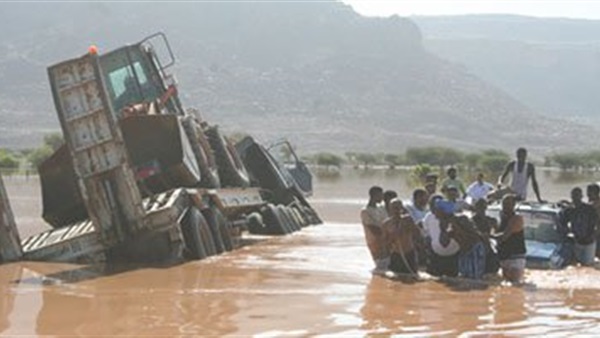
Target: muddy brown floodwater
x=316, y=281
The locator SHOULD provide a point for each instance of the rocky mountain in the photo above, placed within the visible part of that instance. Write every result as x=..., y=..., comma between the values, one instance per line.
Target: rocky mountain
x=552, y=65
x=315, y=72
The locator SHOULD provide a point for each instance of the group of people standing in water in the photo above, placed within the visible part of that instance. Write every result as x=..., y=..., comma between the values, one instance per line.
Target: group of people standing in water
x=431, y=231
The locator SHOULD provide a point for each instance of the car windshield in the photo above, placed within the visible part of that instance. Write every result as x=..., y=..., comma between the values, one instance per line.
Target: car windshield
x=540, y=226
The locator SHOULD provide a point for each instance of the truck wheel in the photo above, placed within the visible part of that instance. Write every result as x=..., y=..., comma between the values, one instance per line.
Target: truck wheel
x=230, y=166
x=209, y=177
x=297, y=219
x=288, y=219
x=298, y=216
x=207, y=238
x=224, y=228
x=310, y=215
x=273, y=220
x=214, y=230
x=192, y=237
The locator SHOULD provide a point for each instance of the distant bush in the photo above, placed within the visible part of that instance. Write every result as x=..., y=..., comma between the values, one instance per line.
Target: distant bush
x=439, y=156
x=393, y=160
x=328, y=159
x=39, y=155
x=8, y=160
x=54, y=141
x=366, y=159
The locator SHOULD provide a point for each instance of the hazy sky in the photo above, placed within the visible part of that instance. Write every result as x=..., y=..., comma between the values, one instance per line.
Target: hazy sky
x=589, y=9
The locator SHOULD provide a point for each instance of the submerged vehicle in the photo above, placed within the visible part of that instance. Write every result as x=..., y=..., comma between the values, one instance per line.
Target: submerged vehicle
x=545, y=247
x=140, y=178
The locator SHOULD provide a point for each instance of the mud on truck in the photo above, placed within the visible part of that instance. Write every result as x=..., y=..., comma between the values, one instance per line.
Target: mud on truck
x=141, y=179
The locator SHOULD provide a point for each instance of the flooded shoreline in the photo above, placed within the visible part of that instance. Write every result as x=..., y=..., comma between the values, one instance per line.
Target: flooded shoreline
x=316, y=281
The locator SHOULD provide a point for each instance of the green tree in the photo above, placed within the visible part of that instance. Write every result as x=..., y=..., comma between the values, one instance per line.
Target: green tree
x=38, y=155
x=328, y=160
x=366, y=159
x=440, y=156
x=494, y=163
x=472, y=160
x=8, y=160
x=568, y=160
x=393, y=160
x=54, y=141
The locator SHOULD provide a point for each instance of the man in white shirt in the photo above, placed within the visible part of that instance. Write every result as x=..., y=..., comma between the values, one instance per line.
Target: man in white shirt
x=372, y=217
x=444, y=255
x=478, y=189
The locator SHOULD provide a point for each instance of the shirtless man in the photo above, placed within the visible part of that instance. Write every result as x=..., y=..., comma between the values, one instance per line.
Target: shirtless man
x=372, y=217
x=521, y=172
x=511, y=241
x=399, y=230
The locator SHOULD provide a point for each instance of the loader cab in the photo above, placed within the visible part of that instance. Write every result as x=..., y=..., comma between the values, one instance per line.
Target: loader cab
x=136, y=75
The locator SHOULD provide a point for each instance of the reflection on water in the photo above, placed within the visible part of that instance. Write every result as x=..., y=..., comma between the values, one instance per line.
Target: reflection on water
x=313, y=282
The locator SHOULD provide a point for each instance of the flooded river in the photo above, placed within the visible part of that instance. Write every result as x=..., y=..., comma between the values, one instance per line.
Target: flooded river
x=316, y=281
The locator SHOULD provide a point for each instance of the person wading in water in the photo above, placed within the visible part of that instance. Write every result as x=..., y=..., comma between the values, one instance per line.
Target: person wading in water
x=399, y=230
x=511, y=241
x=372, y=217
x=521, y=172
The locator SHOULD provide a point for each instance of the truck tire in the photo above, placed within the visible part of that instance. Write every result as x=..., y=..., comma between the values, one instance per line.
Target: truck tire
x=209, y=177
x=310, y=215
x=214, y=230
x=207, y=238
x=232, y=171
x=287, y=218
x=294, y=217
x=224, y=227
x=273, y=221
x=192, y=236
x=298, y=215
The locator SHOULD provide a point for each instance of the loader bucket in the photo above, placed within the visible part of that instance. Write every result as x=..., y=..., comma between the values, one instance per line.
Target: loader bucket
x=158, y=149
x=160, y=152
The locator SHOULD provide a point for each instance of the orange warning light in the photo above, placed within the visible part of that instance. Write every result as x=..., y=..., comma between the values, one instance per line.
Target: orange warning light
x=93, y=50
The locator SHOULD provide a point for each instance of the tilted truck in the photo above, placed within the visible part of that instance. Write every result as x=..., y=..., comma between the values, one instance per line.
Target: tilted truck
x=141, y=179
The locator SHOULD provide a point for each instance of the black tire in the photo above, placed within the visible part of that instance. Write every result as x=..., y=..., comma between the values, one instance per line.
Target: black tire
x=190, y=228
x=215, y=230
x=274, y=223
x=232, y=171
x=288, y=217
x=224, y=228
x=310, y=215
x=298, y=216
x=209, y=177
x=207, y=238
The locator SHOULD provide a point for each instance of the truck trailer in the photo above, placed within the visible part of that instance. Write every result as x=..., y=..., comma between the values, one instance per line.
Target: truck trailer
x=142, y=179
